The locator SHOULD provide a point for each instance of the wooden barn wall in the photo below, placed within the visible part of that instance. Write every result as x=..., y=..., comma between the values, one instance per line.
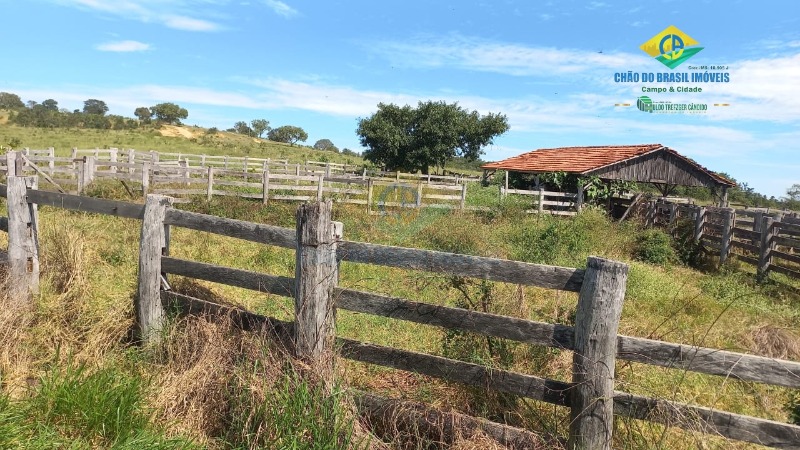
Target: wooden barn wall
x=657, y=166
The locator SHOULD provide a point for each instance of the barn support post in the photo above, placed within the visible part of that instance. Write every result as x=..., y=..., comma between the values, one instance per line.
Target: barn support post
x=596, y=324
x=23, y=240
x=723, y=200
x=506, y=181
x=579, y=196
x=316, y=278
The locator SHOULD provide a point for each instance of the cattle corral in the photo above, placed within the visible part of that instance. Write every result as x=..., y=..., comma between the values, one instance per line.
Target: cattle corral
x=581, y=393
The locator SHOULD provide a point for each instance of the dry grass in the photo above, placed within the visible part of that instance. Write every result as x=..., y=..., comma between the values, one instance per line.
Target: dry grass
x=199, y=361
x=15, y=319
x=775, y=342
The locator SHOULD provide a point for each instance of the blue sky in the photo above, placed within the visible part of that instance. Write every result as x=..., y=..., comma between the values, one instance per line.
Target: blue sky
x=549, y=66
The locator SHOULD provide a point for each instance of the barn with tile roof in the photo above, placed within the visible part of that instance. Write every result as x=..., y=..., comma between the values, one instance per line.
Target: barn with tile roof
x=647, y=163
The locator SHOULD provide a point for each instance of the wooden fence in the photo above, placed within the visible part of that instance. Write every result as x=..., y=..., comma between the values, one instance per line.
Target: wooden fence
x=559, y=203
x=769, y=241
x=267, y=180
x=319, y=247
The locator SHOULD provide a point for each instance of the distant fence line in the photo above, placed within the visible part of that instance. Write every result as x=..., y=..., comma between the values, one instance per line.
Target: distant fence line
x=768, y=240
x=265, y=179
x=319, y=245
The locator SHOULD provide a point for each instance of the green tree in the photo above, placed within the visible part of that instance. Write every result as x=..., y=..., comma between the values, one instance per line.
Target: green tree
x=144, y=114
x=242, y=127
x=433, y=133
x=169, y=113
x=50, y=105
x=792, y=198
x=287, y=134
x=10, y=101
x=94, y=106
x=260, y=126
x=326, y=145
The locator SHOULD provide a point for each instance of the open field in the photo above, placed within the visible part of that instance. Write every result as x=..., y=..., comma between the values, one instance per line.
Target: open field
x=167, y=139
x=97, y=263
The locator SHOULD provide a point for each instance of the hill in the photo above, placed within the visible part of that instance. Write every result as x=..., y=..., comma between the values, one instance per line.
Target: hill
x=167, y=138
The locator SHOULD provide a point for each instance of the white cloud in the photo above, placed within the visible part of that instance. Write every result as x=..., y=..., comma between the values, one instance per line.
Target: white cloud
x=123, y=46
x=170, y=13
x=281, y=8
x=469, y=53
x=189, y=24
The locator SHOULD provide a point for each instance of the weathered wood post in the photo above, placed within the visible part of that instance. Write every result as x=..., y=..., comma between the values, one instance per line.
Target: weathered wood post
x=757, y=219
x=210, y=187
x=23, y=239
x=579, y=197
x=184, y=165
x=463, y=202
x=596, y=324
x=765, y=249
x=51, y=163
x=146, y=168
x=320, y=184
x=673, y=209
x=369, y=195
x=81, y=174
x=152, y=245
x=316, y=278
x=265, y=186
x=728, y=217
x=11, y=164
x=112, y=157
x=419, y=194
x=540, y=206
x=506, y=181
x=19, y=164
x=699, y=223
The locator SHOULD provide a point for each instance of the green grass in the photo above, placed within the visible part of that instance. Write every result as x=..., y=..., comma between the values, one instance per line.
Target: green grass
x=224, y=143
x=75, y=408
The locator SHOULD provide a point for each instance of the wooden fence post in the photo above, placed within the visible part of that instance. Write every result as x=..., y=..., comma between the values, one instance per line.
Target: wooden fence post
x=11, y=164
x=596, y=323
x=23, y=239
x=112, y=156
x=369, y=195
x=152, y=245
x=463, y=196
x=184, y=165
x=419, y=194
x=757, y=219
x=81, y=174
x=316, y=278
x=210, y=188
x=699, y=223
x=320, y=184
x=765, y=249
x=579, y=197
x=506, y=181
x=146, y=167
x=51, y=164
x=727, y=233
x=540, y=206
x=265, y=185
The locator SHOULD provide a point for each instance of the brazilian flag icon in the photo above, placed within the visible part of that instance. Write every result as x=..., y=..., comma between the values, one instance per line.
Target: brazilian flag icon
x=671, y=47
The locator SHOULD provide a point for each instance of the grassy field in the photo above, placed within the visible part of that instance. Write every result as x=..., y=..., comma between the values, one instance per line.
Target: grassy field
x=209, y=386
x=166, y=139
x=70, y=377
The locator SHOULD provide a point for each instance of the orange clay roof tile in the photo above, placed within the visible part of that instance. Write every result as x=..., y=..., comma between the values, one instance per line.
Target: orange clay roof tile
x=584, y=159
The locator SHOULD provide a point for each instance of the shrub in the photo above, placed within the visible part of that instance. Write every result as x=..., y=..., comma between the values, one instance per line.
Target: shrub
x=655, y=247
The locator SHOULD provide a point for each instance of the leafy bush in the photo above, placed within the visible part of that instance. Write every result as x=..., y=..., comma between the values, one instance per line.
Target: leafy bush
x=793, y=408
x=655, y=247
